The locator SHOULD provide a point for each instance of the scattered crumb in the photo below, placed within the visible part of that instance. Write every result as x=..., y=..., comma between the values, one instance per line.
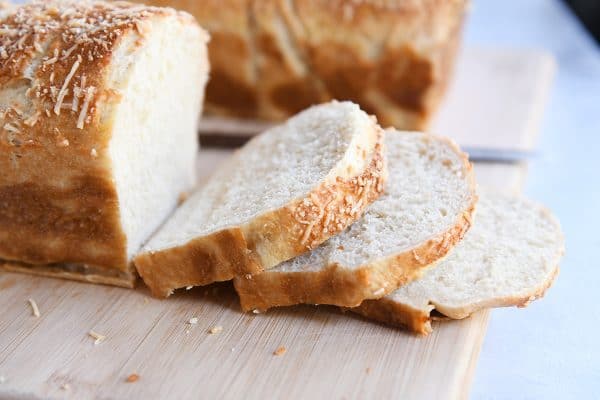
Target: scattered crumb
x=256, y=311
x=232, y=349
x=340, y=247
x=34, y=308
x=146, y=301
x=189, y=287
x=215, y=329
x=2, y=379
x=193, y=321
x=379, y=292
x=281, y=350
x=368, y=370
x=63, y=143
x=94, y=153
x=248, y=276
x=98, y=338
x=187, y=331
x=132, y=378
x=65, y=386
x=183, y=196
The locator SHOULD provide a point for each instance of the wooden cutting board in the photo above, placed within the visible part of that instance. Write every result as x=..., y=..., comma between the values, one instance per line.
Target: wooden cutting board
x=329, y=354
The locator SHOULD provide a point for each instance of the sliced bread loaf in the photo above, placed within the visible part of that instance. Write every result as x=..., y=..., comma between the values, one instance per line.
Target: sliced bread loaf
x=284, y=193
x=99, y=108
x=509, y=258
x=425, y=211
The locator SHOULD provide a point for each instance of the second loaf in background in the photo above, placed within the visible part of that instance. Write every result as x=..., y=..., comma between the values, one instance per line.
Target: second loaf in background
x=284, y=193
x=273, y=58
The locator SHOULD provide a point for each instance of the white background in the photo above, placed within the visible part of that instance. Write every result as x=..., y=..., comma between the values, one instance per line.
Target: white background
x=550, y=350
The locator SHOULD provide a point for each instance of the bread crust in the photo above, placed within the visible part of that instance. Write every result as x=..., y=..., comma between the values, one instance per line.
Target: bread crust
x=394, y=58
x=345, y=287
x=270, y=238
x=58, y=200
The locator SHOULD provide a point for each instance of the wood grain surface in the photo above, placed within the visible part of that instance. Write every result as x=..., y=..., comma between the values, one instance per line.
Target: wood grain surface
x=328, y=354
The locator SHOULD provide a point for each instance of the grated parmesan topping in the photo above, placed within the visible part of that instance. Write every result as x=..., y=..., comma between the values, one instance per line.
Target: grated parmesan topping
x=65, y=44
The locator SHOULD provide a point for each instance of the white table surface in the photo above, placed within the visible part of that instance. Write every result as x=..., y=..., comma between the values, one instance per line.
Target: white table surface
x=550, y=350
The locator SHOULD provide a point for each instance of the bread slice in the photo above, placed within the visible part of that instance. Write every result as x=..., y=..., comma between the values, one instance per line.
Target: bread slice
x=425, y=211
x=99, y=108
x=509, y=258
x=284, y=193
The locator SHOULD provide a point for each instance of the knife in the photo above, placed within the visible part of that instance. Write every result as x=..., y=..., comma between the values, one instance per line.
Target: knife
x=499, y=156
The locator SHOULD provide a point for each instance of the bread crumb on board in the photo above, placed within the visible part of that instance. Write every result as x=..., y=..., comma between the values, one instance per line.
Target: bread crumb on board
x=34, y=308
x=193, y=321
x=132, y=378
x=65, y=387
x=98, y=338
x=215, y=329
x=183, y=196
x=281, y=350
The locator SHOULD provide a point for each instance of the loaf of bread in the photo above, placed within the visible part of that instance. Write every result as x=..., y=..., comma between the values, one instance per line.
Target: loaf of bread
x=509, y=258
x=273, y=58
x=99, y=105
x=426, y=209
x=283, y=194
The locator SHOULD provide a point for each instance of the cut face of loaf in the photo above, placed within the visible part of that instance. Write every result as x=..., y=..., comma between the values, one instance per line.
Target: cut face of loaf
x=509, y=258
x=425, y=211
x=273, y=58
x=284, y=193
x=99, y=106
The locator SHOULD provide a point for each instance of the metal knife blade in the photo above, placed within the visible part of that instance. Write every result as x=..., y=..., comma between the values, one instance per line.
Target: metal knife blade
x=501, y=156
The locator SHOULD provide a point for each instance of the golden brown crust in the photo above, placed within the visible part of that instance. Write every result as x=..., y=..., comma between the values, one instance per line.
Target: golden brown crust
x=394, y=58
x=58, y=201
x=270, y=238
x=396, y=314
x=81, y=273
